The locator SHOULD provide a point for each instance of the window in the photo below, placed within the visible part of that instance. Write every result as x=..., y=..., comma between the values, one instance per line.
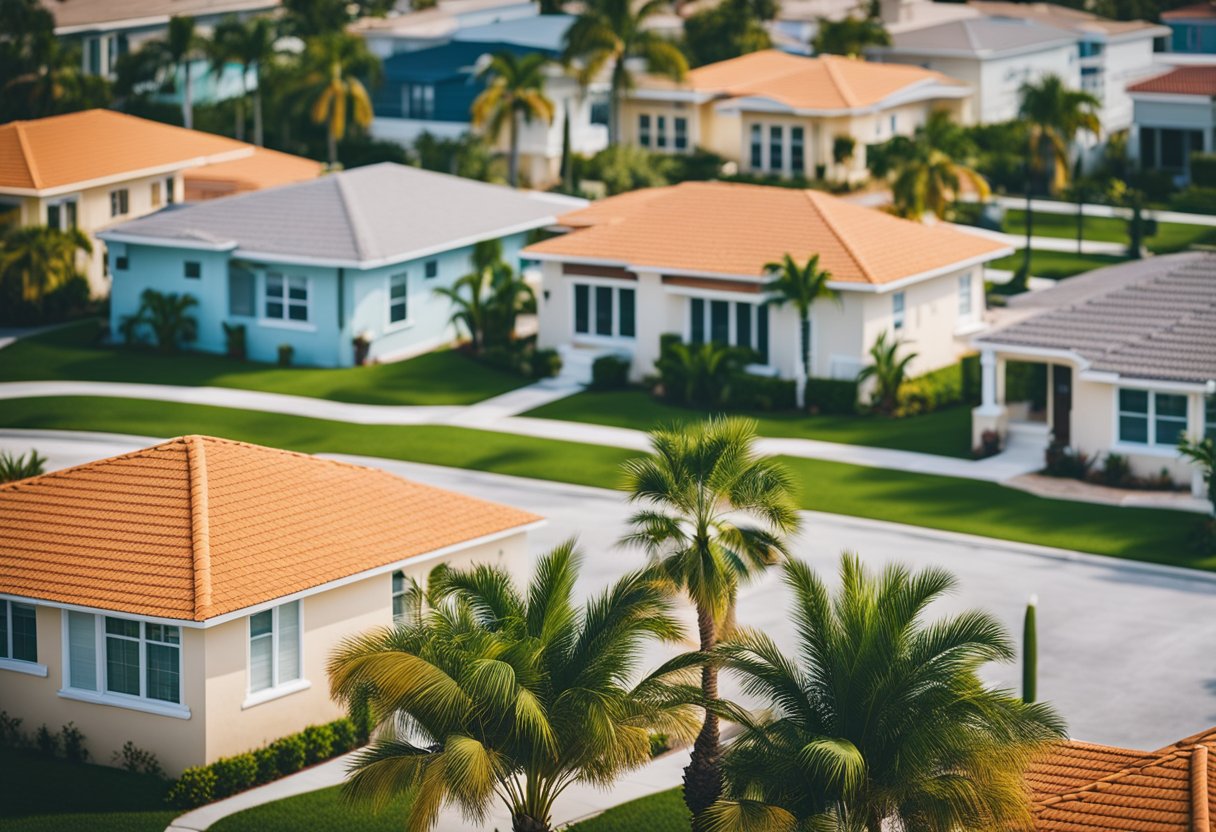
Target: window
x=897, y=310
x=121, y=263
x=18, y=632
x=170, y=190
x=1149, y=418
x=1209, y=417
x=61, y=215
x=660, y=131
x=398, y=298
x=893, y=124
x=119, y=202
x=418, y=101
x=405, y=598
x=155, y=194
x=776, y=146
x=274, y=647
x=119, y=655
x=241, y=281
x=681, y=140
x=430, y=269
x=194, y=269
x=744, y=326
x=286, y=297
x=605, y=311
x=757, y=142
x=964, y=296
x=797, y=151
x=644, y=130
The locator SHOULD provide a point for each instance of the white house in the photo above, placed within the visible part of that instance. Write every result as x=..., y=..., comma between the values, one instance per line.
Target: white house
x=1175, y=116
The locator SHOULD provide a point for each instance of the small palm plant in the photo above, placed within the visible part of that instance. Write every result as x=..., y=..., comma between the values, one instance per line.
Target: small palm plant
x=41, y=259
x=800, y=286
x=714, y=514
x=878, y=719
x=699, y=374
x=889, y=371
x=515, y=93
x=487, y=301
x=167, y=315
x=1202, y=452
x=511, y=694
x=15, y=467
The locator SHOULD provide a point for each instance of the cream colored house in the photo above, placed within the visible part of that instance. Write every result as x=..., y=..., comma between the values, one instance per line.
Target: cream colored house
x=186, y=597
x=691, y=259
x=775, y=113
x=1131, y=355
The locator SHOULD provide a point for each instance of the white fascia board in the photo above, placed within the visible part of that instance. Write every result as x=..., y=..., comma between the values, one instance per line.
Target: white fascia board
x=128, y=175
x=1170, y=98
x=1068, y=355
x=117, y=236
x=896, y=285
x=1164, y=385
x=687, y=96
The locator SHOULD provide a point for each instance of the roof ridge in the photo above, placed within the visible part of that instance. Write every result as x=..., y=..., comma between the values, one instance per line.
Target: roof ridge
x=1201, y=819
x=813, y=198
x=354, y=217
x=200, y=531
x=837, y=77
x=27, y=154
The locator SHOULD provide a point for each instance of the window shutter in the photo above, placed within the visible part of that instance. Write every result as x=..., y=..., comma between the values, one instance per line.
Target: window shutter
x=289, y=642
x=82, y=651
x=240, y=291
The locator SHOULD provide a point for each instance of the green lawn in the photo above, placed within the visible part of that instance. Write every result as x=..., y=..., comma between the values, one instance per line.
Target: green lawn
x=324, y=811
x=918, y=499
x=435, y=378
x=1170, y=237
x=662, y=812
x=38, y=794
x=1056, y=264
x=946, y=432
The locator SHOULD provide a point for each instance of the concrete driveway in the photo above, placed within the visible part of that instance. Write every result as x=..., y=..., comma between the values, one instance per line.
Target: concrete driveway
x=1126, y=650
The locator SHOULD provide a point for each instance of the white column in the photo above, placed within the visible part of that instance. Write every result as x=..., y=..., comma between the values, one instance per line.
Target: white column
x=988, y=403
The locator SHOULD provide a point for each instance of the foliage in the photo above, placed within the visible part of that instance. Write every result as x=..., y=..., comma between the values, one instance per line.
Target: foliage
x=346, y=735
x=196, y=787
x=1194, y=199
x=72, y=742
x=698, y=374
x=714, y=514
x=927, y=171
x=10, y=731
x=1054, y=114
x=40, y=74
x=624, y=167
x=661, y=812
x=660, y=743
x=286, y=353
x=234, y=774
x=849, y=36
x=727, y=30
x=235, y=340
x=888, y=370
x=511, y=693
x=830, y=395
x=15, y=466
x=318, y=743
x=35, y=261
x=1202, y=453
x=290, y=754
x=800, y=286
x=252, y=44
x=487, y=301
x=514, y=92
x=932, y=391
x=1030, y=655
x=137, y=760
x=879, y=719
x=324, y=810
x=1116, y=470
x=334, y=65
x=751, y=392
x=610, y=372
x=166, y=315
x=545, y=363
x=46, y=741
x=1068, y=463
x=467, y=155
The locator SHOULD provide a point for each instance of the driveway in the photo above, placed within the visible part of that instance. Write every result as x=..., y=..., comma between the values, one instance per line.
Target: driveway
x=1125, y=650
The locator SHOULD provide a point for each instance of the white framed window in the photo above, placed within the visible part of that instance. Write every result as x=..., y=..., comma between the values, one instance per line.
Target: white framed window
x=776, y=148
x=644, y=130
x=1148, y=417
x=274, y=647
x=118, y=659
x=286, y=298
x=430, y=269
x=681, y=133
x=62, y=214
x=119, y=202
x=170, y=189
x=403, y=597
x=756, y=157
x=18, y=632
x=605, y=311
x=1209, y=417
x=964, y=297
x=418, y=101
x=192, y=269
x=735, y=323
x=898, y=310
x=398, y=298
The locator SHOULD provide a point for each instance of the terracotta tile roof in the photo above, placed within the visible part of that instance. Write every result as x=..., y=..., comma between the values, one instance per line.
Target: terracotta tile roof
x=1198, y=10
x=723, y=228
x=1183, y=80
x=197, y=527
x=95, y=144
x=827, y=82
x=264, y=168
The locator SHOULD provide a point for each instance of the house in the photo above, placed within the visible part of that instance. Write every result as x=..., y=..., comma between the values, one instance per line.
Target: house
x=1131, y=354
x=995, y=56
x=93, y=169
x=1174, y=117
x=1192, y=28
x=405, y=32
x=1086, y=787
x=316, y=264
x=262, y=168
x=186, y=597
x=432, y=91
x=690, y=259
x=771, y=112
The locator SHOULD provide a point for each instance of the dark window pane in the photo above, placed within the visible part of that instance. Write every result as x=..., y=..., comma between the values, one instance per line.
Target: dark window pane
x=1169, y=404
x=298, y=291
x=660, y=131
x=274, y=310
x=1209, y=417
x=757, y=160
x=3, y=629
x=762, y=333
x=432, y=268
x=582, y=308
x=1171, y=149
x=1169, y=431
x=298, y=313
x=164, y=678
x=603, y=310
x=1133, y=401
x=122, y=665
x=776, y=144
x=1133, y=429
x=743, y=324
x=628, y=302
x=194, y=268
x=52, y=216
x=240, y=291
x=122, y=627
x=25, y=632
x=696, y=310
x=719, y=321
x=1148, y=146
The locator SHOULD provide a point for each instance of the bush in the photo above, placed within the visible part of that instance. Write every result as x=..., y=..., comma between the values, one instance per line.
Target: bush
x=1203, y=170
x=346, y=736
x=660, y=743
x=195, y=787
x=545, y=363
x=610, y=372
x=234, y=774
x=1066, y=462
x=286, y=353
x=10, y=731
x=46, y=741
x=1116, y=470
x=698, y=166
x=833, y=396
x=318, y=743
x=931, y=391
x=290, y=754
x=235, y=340
x=137, y=761
x=1195, y=200
x=73, y=744
x=751, y=392
x=1026, y=382
x=1157, y=185
x=267, y=760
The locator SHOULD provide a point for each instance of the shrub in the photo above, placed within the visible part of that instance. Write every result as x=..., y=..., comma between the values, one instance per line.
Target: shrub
x=545, y=363
x=10, y=731
x=286, y=353
x=137, y=761
x=15, y=467
x=195, y=787
x=609, y=372
x=990, y=445
x=1195, y=200
x=1063, y=461
x=1203, y=170
x=290, y=754
x=362, y=718
x=235, y=340
x=1116, y=470
x=1025, y=382
x=699, y=375
x=660, y=743
x=346, y=737
x=830, y=395
x=751, y=392
x=1157, y=185
x=931, y=391
x=318, y=743
x=234, y=774
x=72, y=739
x=267, y=760
x=46, y=741
x=166, y=316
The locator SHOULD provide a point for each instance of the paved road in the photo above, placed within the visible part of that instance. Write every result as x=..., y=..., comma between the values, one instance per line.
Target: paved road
x=1125, y=650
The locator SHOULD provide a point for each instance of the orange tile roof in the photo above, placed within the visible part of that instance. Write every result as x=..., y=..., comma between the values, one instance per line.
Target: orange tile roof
x=95, y=144
x=264, y=168
x=827, y=82
x=1183, y=80
x=725, y=228
x=197, y=527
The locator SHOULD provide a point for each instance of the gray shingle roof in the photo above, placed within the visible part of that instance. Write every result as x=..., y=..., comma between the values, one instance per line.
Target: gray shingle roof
x=978, y=36
x=364, y=216
x=1153, y=320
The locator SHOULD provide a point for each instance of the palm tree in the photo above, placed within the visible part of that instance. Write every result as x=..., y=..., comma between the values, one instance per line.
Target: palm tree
x=610, y=33
x=175, y=56
x=888, y=370
x=42, y=259
x=927, y=171
x=699, y=374
x=167, y=315
x=1202, y=454
x=506, y=694
x=251, y=44
x=515, y=92
x=714, y=515
x=849, y=36
x=333, y=64
x=486, y=301
x=879, y=719
x=800, y=286
x=14, y=466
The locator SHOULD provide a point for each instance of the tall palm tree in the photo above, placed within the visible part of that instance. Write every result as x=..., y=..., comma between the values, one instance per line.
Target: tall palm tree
x=878, y=720
x=250, y=43
x=611, y=33
x=41, y=259
x=928, y=170
x=506, y=694
x=800, y=287
x=221, y=50
x=888, y=369
x=515, y=92
x=333, y=65
x=713, y=515
x=175, y=56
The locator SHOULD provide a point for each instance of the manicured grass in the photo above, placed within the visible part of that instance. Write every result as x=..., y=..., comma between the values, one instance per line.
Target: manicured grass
x=946, y=432
x=436, y=378
x=38, y=794
x=917, y=499
x=662, y=812
x=324, y=811
x=1056, y=264
x=1170, y=236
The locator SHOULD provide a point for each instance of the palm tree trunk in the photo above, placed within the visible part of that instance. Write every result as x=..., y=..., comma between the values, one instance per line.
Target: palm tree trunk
x=239, y=107
x=188, y=96
x=331, y=144
x=614, y=105
x=703, y=776
x=806, y=359
x=513, y=163
x=257, y=113
x=527, y=823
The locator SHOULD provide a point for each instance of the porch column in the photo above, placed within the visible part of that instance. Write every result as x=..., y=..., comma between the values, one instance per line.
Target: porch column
x=988, y=395
x=989, y=417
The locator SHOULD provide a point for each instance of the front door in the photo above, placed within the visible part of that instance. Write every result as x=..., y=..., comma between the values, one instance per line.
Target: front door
x=1061, y=404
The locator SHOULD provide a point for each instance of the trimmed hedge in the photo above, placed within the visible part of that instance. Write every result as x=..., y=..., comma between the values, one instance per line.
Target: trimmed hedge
x=752, y=392
x=832, y=396
x=610, y=372
x=1203, y=170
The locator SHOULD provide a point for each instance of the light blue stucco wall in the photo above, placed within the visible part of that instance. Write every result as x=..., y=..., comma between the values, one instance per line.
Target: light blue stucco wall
x=343, y=303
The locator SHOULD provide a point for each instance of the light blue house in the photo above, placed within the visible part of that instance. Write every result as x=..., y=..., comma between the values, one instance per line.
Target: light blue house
x=318, y=264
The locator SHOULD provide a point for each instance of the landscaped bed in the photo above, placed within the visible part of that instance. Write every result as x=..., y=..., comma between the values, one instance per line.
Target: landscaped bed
x=662, y=812
x=444, y=377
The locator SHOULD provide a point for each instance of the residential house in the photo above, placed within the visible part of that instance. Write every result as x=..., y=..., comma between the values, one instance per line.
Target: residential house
x=314, y=265
x=1131, y=355
x=186, y=597
x=262, y=168
x=995, y=56
x=93, y=169
x=405, y=32
x=1192, y=28
x=691, y=259
x=771, y=112
x=1174, y=117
